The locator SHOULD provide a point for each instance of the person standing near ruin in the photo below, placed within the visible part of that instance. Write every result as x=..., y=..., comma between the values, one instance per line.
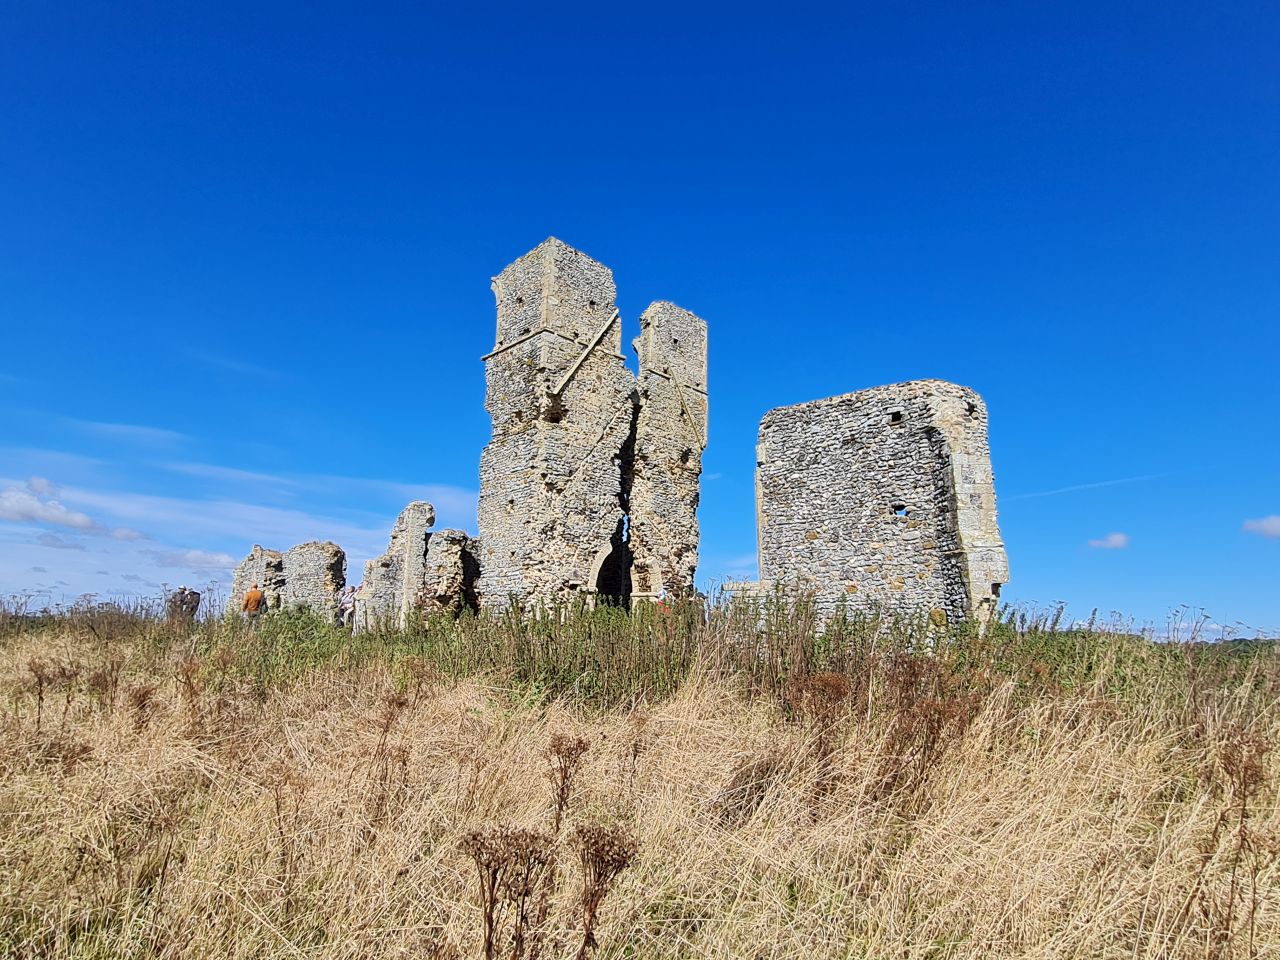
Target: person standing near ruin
x=190, y=605
x=173, y=605
x=347, y=607
x=255, y=601
x=182, y=605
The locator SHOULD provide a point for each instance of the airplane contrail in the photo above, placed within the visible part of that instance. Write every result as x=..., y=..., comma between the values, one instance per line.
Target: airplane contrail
x=1089, y=486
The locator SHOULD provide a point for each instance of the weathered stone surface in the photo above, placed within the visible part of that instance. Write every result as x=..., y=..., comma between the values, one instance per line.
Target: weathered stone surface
x=884, y=497
x=671, y=433
x=555, y=478
x=313, y=574
x=392, y=581
x=263, y=567
x=449, y=579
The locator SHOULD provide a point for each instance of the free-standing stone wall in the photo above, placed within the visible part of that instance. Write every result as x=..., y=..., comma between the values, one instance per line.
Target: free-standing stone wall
x=391, y=581
x=882, y=497
x=263, y=567
x=449, y=577
x=671, y=433
x=314, y=573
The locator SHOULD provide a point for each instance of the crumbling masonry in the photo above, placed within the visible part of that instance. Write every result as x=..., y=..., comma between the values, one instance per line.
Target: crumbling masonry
x=589, y=485
x=309, y=575
x=882, y=497
x=266, y=569
x=421, y=571
x=590, y=482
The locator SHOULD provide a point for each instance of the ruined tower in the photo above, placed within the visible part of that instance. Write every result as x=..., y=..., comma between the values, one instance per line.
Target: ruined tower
x=671, y=433
x=587, y=465
x=555, y=478
x=882, y=497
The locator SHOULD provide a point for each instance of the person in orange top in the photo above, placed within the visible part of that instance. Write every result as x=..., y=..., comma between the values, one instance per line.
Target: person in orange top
x=254, y=601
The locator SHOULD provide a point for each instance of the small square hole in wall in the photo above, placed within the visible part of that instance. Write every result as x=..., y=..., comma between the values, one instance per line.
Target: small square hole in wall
x=972, y=410
x=899, y=509
x=895, y=417
x=995, y=589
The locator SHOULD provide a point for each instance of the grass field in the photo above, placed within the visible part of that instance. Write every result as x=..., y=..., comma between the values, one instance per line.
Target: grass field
x=733, y=784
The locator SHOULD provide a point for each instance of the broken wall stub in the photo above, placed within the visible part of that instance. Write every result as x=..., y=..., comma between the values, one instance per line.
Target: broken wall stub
x=671, y=433
x=392, y=581
x=263, y=567
x=555, y=477
x=314, y=573
x=882, y=497
x=448, y=584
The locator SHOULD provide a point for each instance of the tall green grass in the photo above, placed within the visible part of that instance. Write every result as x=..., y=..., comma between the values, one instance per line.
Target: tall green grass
x=609, y=656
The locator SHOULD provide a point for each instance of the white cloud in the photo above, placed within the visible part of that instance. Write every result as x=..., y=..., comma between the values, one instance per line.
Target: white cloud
x=1112, y=541
x=189, y=535
x=24, y=506
x=1268, y=527
x=1088, y=486
x=42, y=487
x=34, y=505
x=455, y=506
x=192, y=559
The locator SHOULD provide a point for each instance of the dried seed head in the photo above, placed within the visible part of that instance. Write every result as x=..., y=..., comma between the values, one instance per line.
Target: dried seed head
x=567, y=749
x=605, y=850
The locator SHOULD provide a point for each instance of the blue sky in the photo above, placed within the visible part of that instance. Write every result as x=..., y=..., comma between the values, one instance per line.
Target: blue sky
x=245, y=252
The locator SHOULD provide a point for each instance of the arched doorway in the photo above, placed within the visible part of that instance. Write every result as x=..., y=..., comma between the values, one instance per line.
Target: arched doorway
x=611, y=571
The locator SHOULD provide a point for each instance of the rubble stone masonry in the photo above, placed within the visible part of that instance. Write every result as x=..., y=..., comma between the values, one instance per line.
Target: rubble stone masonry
x=555, y=478
x=882, y=497
x=671, y=433
x=313, y=574
x=589, y=485
x=392, y=580
x=263, y=567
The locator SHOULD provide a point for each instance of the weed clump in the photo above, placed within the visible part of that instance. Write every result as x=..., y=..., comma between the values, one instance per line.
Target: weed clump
x=565, y=753
x=516, y=870
x=604, y=852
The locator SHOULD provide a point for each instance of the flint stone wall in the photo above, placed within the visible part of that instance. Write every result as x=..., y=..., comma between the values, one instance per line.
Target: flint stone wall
x=882, y=497
x=263, y=567
x=448, y=583
x=314, y=573
x=392, y=581
x=555, y=477
x=671, y=433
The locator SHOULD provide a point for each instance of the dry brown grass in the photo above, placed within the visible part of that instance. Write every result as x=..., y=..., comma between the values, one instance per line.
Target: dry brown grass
x=172, y=808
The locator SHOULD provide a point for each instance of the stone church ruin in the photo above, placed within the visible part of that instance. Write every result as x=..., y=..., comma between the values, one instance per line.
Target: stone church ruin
x=882, y=497
x=590, y=483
